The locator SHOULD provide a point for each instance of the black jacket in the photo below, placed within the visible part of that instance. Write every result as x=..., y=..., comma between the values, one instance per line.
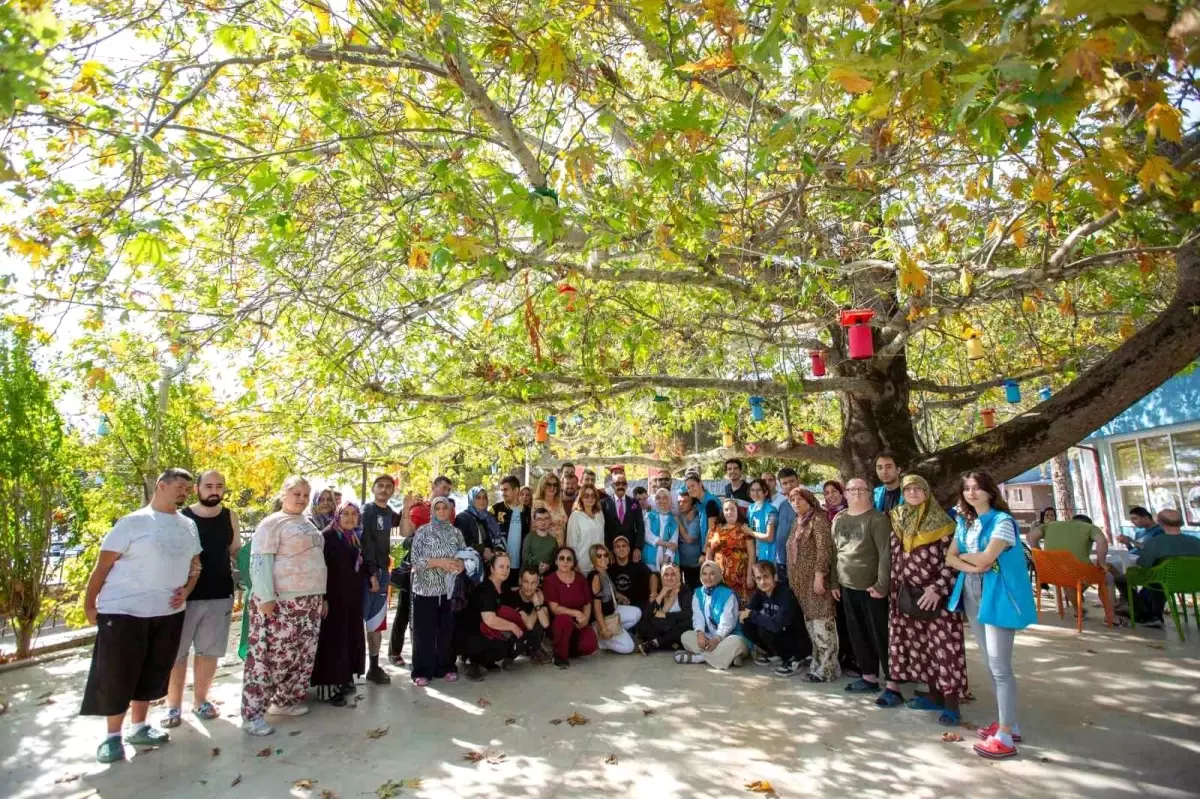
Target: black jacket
x=501, y=511
x=633, y=528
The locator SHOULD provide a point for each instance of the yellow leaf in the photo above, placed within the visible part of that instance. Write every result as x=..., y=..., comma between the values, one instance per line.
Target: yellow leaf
x=35, y=251
x=1067, y=306
x=321, y=13
x=851, y=81
x=1043, y=188
x=96, y=375
x=868, y=12
x=1164, y=121
x=760, y=786
x=415, y=116
x=1156, y=172
x=1126, y=328
x=552, y=61
x=1019, y=235
x=465, y=248
x=418, y=257
x=1028, y=305
x=119, y=348
x=967, y=281
x=912, y=277
x=713, y=63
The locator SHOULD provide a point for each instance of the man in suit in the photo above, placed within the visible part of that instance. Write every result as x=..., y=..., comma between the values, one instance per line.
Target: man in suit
x=623, y=516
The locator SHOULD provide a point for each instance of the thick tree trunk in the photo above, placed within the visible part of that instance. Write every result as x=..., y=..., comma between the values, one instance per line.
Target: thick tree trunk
x=1060, y=480
x=24, y=631
x=1137, y=367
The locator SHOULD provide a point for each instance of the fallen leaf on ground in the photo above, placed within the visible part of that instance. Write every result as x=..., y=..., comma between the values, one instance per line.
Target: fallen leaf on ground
x=66, y=778
x=148, y=750
x=509, y=722
x=760, y=786
x=611, y=759
x=483, y=701
x=279, y=751
x=264, y=752
x=1044, y=759
x=648, y=711
x=1090, y=651
x=236, y=780
x=576, y=719
x=216, y=751
x=378, y=732
x=1156, y=646
x=3, y=708
x=305, y=784
x=951, y=737
x=46, y=695
x=556, y=721
x=1087, y=722
x=328, y=794
x=968, y=697
x=473, y=756
x=46, y=702
x=389, y=789
x=294, y=733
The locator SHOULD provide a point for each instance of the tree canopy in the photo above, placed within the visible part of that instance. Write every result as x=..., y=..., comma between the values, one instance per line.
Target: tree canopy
x=416, y=227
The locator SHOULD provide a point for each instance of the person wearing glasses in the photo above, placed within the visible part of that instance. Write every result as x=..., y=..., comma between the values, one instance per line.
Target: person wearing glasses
x=614, y=620
x=623, y=517
x=570, y=600
x=549, y=496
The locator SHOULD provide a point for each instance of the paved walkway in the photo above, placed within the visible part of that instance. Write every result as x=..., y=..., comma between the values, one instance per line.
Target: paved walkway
x=1105, y=714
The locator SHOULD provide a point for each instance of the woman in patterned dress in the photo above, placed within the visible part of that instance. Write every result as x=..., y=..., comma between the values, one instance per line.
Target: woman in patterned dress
x=733, y=548
x=809, y=562
x=925, y=650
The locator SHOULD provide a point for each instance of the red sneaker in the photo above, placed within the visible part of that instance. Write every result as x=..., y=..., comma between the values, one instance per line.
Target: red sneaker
x=992, y=729
x=993, y=749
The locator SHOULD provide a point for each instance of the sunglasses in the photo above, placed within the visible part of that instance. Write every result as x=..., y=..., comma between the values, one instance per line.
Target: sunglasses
x=600, y=555
x=566, y=559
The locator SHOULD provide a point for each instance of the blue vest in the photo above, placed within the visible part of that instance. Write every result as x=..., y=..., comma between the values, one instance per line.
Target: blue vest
x=878, y=496
x=720, y=595
x=670, y=533
x=1007, y=599
x=758, y=518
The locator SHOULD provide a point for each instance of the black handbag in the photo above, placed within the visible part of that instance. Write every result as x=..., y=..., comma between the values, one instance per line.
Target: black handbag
x=909, y=594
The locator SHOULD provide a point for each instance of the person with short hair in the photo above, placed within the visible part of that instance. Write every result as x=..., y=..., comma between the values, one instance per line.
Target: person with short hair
x=589, y=478
x=570, y=600
x=585, y=527
x=209, y=611
x=341, y=649
x=570, y=489
x=378, y=519
x=774, y=495
x=611, y=618
x=1150, y=602
x=623, y=517
x=715, y=637
x=527, y=599
x=1144, y=524
x=549, y=496
x=631, y=578
x=888, y=495
x=539, y=548
x=785, y=520
x=643, y=499
x=515, y=519
x=768, y=617
x=501, y=633
x=147, y=566
x=287, y=561
x=736, y=488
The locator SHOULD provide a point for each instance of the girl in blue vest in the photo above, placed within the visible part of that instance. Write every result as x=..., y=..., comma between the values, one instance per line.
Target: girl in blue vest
x=715, y=637
x=662, y=537
x=761, y=518
x=708, y=512
x=993, y=585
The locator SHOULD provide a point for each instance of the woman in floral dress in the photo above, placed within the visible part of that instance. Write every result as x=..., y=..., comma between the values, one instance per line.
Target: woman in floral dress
x=732, y=546
x=925, y=650
x=810, y=559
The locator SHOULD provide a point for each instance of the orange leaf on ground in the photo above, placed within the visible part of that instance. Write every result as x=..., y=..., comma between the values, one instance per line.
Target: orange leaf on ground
x=951, y=737
x=577, y=719
x=760, y=786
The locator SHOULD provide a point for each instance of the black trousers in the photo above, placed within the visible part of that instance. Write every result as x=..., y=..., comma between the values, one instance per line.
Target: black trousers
x=433, y=636
x=867, y=622
x=691, y=575
x=131, y=661
x=667, y=631
x=1148, y=603
x=484, y=651
x=775, y=643
x=846, y=658
x=403, y=588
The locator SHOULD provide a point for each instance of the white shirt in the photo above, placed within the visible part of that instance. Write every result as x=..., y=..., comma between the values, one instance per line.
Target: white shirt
x=156, y=552
x=583, y=532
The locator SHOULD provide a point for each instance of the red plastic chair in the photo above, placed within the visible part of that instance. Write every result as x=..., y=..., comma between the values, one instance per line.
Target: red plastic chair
x=1062, y=569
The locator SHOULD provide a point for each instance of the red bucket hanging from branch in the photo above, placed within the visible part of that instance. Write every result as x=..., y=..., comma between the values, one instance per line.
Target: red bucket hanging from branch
x=818, y=362
x=861, y=343
x=541, y=432
x=989, y=417
x=809, y=438
x=570, y=292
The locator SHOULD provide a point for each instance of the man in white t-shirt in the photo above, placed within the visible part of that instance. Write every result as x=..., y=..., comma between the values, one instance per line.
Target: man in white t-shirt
x=148, y=564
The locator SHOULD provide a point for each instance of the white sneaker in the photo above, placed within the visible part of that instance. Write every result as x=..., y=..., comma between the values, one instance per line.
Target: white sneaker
x=257, y=727
x=290, y=710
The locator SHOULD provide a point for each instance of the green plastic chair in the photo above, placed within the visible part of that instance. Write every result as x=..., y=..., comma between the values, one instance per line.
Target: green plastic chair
x=1179, y=575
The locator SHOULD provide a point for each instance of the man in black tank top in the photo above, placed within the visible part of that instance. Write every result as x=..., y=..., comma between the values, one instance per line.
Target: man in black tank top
x=210, y=605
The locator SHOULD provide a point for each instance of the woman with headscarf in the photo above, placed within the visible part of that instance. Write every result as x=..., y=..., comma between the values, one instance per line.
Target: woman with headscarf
x=321, y=512
x=341, y=650
x=925, y=640
x=669, y=614
x=810, y=561
x=732, y=547
x=549, y=496
x=436, y=566
x=834, y=494
x=287, y=564
x=479, y=527
x=715, y=637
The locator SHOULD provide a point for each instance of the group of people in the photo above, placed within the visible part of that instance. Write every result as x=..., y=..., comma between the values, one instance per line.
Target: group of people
x=875, y=585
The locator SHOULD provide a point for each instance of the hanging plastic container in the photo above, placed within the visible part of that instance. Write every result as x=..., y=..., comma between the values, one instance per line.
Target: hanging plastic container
x=860, y=340
x=1012, y=391
x=809, y=438
x=727, y=437
x=974, y=347
x=1045, y=392
x=541, y=432
x=552, y=425
x=989, y=417
x=569, y=291
x=104, y=428
x=756, y=409
x=662, y=407
x=818, y=362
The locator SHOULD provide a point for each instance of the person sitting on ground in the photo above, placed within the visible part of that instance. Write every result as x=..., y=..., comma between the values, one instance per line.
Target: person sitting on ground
x=1145, y=529
x=341, y=649
x=612, y=620
x=528, y=601
x=768, y=617
x=585, y=527
x=925, y=641
x=662, y=537
x=501, y=628
x=810, y=574
x=669, y=614
x=540, y=546
x=570, y=600
x=715, y=637
x=1150, y=602
x=631, y=578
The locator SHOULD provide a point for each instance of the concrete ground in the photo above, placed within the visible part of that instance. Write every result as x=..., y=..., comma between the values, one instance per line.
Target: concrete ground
x=1106, y=713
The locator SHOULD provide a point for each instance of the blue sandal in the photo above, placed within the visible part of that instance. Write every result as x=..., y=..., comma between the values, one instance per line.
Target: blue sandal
x=922, y=703
x=890, y=698
x=949, y=718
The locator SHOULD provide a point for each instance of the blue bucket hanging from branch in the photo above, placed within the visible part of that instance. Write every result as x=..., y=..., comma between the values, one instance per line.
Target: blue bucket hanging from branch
x=1012, y=391
x=104, y=429
x=756, y=409
x=1045, y=392
x=552, y=425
